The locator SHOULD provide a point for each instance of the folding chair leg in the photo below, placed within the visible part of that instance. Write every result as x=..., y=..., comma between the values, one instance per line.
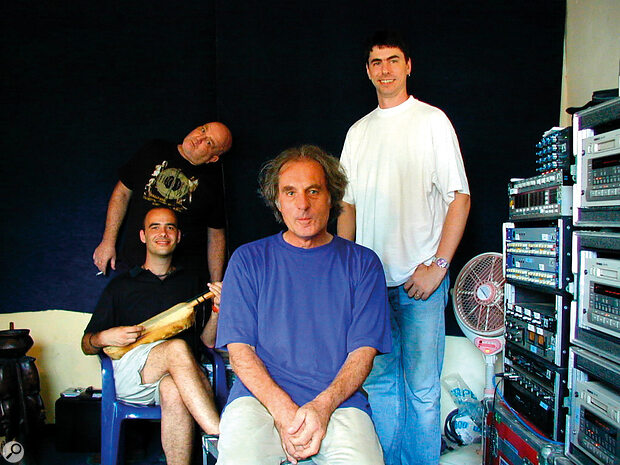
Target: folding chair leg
x=209, y=449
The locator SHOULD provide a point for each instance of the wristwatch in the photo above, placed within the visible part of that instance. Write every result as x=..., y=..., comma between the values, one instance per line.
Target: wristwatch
x=441, y=263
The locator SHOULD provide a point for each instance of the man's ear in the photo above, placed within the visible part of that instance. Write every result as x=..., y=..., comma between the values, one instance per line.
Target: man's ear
x=368, y=72
x=142, y=236
x=214, y=158
x=178, y=236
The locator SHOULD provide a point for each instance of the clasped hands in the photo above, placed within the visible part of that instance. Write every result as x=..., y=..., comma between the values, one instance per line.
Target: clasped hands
x=303, y=430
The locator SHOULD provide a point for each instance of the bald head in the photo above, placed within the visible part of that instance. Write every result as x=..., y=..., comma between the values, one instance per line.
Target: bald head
x=206, y=143
x=224, y=135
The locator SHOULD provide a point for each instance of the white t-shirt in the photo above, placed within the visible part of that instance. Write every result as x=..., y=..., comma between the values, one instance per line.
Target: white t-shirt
x=404, y=165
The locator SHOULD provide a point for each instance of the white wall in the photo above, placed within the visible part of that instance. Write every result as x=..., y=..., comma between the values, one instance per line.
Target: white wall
x=591, y=51
x=60, y=361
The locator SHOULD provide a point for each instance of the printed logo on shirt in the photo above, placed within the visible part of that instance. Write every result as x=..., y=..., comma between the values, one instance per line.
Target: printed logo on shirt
x=170, y=187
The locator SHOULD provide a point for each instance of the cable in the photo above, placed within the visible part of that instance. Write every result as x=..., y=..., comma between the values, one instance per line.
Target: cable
x=518, y=417
x=495, y=390
x=448, y=428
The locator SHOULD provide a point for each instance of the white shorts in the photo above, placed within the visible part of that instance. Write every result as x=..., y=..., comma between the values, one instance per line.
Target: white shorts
x=128, y=377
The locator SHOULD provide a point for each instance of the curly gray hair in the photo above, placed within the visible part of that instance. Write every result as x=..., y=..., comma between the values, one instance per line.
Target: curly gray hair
x=335, y=177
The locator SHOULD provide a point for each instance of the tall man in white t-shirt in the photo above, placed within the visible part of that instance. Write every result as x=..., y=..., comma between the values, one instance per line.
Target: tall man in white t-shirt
x=408, y=200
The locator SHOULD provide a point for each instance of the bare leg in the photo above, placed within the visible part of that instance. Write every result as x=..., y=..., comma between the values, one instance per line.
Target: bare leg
x=177, y=425
x=175, y=358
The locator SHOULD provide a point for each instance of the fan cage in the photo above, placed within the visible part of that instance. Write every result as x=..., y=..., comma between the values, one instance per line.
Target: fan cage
x=479, y=295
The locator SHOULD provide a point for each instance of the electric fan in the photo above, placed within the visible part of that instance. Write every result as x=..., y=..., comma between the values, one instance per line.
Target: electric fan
x=478, y=300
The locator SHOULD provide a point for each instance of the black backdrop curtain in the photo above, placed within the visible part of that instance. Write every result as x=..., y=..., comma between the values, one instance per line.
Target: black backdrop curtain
x=86, y=84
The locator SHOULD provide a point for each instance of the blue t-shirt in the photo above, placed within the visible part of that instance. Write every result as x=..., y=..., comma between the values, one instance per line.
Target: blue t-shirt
x=304, y=310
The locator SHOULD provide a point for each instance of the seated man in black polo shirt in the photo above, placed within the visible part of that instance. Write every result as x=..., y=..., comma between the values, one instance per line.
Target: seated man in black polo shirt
x=164, y=372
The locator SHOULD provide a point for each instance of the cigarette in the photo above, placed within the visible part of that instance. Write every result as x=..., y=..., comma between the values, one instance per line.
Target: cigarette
x=99, y=274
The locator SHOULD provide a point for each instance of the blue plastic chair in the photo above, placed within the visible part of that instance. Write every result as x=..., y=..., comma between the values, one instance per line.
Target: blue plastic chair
x=114, y=412
x=220, y=392
x=220, y=385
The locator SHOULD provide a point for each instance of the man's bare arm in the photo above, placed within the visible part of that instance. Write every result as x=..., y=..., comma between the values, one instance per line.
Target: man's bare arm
x=426, y=279
x=349, y=379
x=311, y=420
x=216, y=252
x=454, y=226
x=209, y=332
x=117, y=208
x=92, y=343
x=346, y=221
x=254, y=375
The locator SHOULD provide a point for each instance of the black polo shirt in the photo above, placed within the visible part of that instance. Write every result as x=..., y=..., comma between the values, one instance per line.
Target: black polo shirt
x=137, y=295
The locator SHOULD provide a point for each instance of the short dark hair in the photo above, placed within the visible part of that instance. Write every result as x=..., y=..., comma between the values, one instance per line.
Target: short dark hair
x=335, y=177
x=387, y=38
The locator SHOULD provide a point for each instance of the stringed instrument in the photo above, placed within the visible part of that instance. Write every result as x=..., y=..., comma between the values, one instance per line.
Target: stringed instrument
x=164, y=325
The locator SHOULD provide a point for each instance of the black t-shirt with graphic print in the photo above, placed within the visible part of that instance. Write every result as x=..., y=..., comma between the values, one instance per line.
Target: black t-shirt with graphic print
x=159, y=176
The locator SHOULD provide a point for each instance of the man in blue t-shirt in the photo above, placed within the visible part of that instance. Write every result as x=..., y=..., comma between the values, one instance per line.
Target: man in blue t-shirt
x=303, y=315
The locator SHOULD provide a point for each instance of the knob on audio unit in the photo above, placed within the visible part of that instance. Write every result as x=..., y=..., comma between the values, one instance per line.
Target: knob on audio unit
x=555, y=150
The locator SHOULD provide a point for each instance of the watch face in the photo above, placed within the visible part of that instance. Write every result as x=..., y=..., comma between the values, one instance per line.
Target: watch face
x=442, y=263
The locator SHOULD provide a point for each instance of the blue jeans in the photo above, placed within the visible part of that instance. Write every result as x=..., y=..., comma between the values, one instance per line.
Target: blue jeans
x=403, y=387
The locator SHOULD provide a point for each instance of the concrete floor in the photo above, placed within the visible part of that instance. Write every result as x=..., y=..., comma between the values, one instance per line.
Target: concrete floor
x=466, y=455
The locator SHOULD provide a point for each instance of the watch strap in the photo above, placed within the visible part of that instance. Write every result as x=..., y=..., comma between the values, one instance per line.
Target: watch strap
x=441, y=262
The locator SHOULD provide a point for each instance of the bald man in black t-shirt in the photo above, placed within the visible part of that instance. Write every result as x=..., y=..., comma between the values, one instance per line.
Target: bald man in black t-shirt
x=183, y=177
